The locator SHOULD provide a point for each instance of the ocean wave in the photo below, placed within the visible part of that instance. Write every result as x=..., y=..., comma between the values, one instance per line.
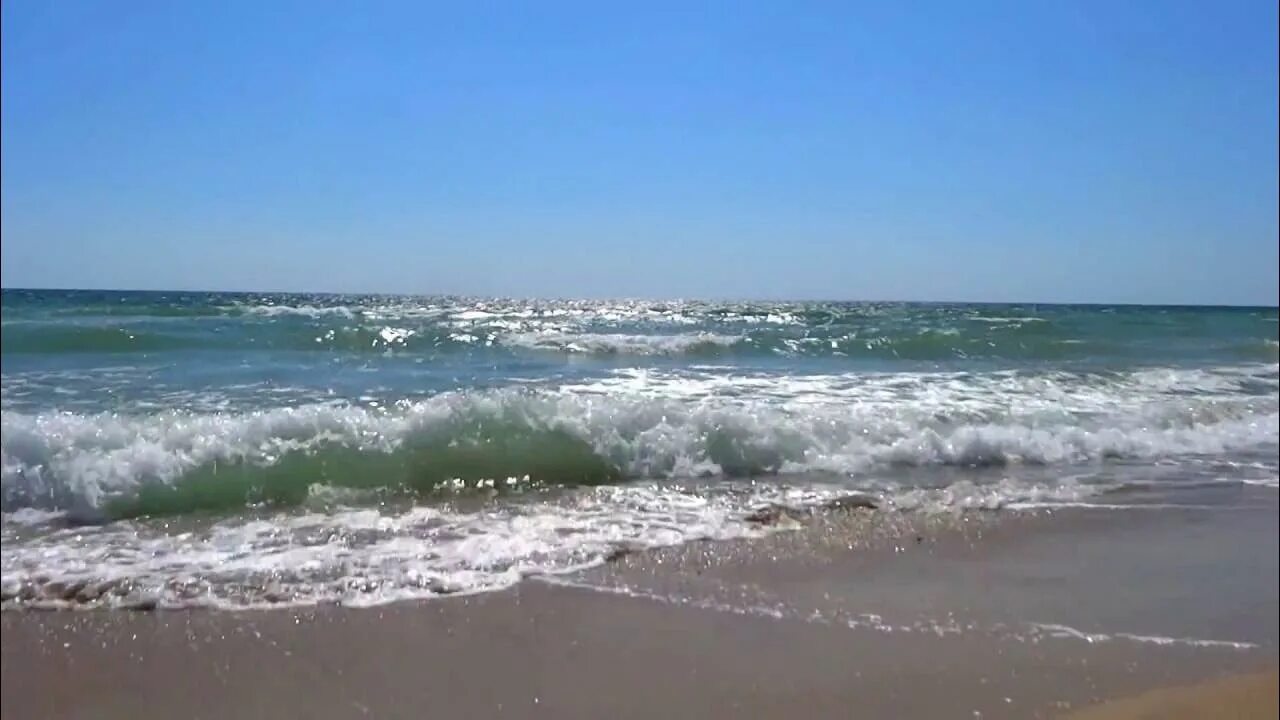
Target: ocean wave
x=59, y=339
x=636, y=329
x=998, y=320
x=623, y=344
x=944, y=343
x=311, y=311
x=635, y=425
x=364, y=335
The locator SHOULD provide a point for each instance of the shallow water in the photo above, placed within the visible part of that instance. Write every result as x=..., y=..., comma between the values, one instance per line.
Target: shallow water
x=236, y=450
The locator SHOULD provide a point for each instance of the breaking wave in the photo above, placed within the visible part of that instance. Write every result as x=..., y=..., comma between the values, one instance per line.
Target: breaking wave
x=633, y=425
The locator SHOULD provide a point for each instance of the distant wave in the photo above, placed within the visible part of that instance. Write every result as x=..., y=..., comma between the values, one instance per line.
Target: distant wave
x=58, y=323
x=311, y=311
x=622, y=344
x=53, y=339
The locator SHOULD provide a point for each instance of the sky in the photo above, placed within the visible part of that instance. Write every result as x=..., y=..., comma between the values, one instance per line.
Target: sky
x=990, y=151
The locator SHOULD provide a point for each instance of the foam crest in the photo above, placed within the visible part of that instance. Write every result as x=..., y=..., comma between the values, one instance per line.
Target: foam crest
x=363, y=557
x=639, y=424
x=336, y=552
x=622, y=344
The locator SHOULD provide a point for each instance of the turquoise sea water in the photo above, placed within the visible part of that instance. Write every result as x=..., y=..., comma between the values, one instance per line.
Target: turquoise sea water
x=235, y=449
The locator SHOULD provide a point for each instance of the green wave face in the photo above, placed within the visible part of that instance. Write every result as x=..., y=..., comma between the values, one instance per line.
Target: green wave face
x=424, y=466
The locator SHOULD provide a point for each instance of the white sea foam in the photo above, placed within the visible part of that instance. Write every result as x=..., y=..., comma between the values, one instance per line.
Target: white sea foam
x=616, y=343
x=775, y=610
x=1006, y=493
x=303, y=310
x=370, y=556
x=684, y=424
x=1005, y=320
x=362, y=556
x=648, y=423
x=335, y=550
x=1066, y=631
x=32, y=517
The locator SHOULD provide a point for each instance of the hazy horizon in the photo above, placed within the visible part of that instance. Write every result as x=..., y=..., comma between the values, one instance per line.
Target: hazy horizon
x=631, y=298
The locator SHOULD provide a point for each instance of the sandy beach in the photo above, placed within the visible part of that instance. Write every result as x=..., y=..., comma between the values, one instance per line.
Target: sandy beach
x=1243, y=696
x=554, y=652
x=856, y=614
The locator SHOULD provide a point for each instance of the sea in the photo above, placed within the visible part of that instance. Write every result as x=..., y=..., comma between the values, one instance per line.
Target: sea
x=245, y=450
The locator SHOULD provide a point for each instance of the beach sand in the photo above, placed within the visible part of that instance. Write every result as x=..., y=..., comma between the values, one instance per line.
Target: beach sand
x=1234, y=698
x=856, y=615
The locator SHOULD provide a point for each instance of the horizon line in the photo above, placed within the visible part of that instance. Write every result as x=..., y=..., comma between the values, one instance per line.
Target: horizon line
x=644, y=298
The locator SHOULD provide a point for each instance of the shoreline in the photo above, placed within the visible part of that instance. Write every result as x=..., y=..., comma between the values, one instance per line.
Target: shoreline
x=855, y=613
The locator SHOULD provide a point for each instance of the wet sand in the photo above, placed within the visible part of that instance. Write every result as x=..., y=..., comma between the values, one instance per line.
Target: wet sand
x=856, y=615
x=1244, y=696
x=553, y=652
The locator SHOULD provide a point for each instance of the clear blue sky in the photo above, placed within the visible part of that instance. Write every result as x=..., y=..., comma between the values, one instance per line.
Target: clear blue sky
x=1052, y=151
